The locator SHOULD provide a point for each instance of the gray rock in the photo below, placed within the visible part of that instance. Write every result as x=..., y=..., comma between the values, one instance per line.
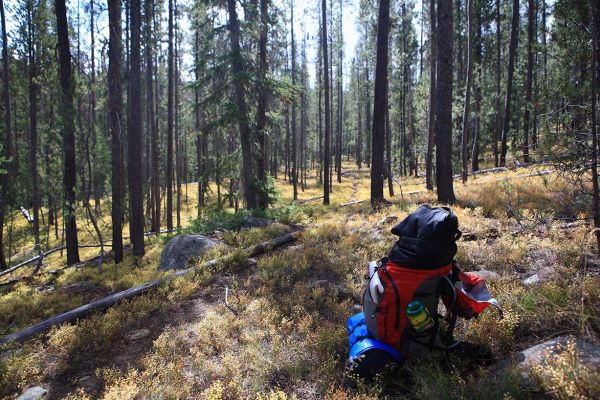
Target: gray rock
x=387, y=220
x=80, y=287
x=485, y=274
x=541, y=355
x=183, y=248
x=532, y=280
x=138, y=334
x=255, y=222
x=33, y=393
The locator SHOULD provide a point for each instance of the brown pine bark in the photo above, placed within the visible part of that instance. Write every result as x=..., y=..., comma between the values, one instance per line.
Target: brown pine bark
x=595, y=76
x=294, y=132
x=498, y=127
x=477, y=87
x=429, y=181
x=6, y=152
x=327, y=131
x=467, y=105
x=443, y=124
x=514, y=40
x=170, y=73
x=380, y=104
x=261, y=108
x=151, y=118
x=529, y=81
x=67, y=113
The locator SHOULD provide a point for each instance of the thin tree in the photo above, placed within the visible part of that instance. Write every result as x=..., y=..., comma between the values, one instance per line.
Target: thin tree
x=115, y=107
x=380, y=104
x=237, y=69
x=261, y=108
x=514, y=40
x=443, y=120
x=340, y=96
x=477, y=87
x=151, y=118
x=134, y=135
x=528, y=81
x=497, y=132
x=467, y=105
x=595, y=81
x=432, y=96
x=294, y=133
x=6, y=148
x=170, y=72
x=67, y=113
x=327, y=131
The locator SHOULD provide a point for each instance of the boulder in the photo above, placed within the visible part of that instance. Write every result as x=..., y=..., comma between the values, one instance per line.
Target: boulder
x=255, y=222
x=540, y=355
x=183, y=248
x=532, y=280
x=33, y=393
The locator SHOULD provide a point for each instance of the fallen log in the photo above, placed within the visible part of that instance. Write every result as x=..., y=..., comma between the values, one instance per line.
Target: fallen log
x=310, y=200
x=350, y=203
x=113, y=299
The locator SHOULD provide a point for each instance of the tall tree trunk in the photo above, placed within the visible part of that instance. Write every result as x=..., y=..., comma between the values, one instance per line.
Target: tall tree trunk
x=33, y=136
x=170, y=73
x=150, y=119
x=595, y=77
x=6, y=153
x=327, y=132
x=294, y=133
x=514, y=40
x=368, y=116
x=432, y=96
x=388, y=153
x=467, y=105
x=477, y=87
x=359, y=139
x=261, y=108
x=178, y=156
x=498, y=126
x=529, y=80
x=134, y=136
x=248, y=178
x=380, y=103
x=115, y=107
x=443, y=121
x=67, y=111
x=340, y=105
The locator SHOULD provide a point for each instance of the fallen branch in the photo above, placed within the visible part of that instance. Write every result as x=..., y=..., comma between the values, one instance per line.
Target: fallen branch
x=310, y=200
x=351, y=203
x=113, y=299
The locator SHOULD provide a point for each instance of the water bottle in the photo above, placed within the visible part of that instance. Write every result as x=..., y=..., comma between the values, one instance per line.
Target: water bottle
x=419, y=316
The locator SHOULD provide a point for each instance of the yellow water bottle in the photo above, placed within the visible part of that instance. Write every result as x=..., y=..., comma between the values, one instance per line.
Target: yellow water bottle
x=419, y=316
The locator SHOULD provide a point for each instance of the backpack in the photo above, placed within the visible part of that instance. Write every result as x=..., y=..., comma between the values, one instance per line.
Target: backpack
x=421, y=266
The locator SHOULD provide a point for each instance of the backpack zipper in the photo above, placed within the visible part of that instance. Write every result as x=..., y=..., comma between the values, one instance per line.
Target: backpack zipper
x=397, y=294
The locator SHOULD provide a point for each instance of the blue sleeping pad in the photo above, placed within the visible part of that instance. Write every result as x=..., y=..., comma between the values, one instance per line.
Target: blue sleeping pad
x=373, y=352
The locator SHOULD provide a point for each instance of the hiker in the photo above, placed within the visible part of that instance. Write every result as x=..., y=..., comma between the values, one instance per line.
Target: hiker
x=400, y=317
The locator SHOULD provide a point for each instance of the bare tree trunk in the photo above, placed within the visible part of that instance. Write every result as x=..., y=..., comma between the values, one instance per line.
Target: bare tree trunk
x=261, y=108
x=327, y=132
x=514, y=40
x=6, y=153
x=595, y=76
x=359, y=139
x=467, y=105
x=498, y=128
x=529, y=80
x=151, y=118
x=294, y=133
x=178, y=168
x=134, y=136
x=432, y=97
x=340, y=105
x=67, y=111
x=477, y=88
x=248, y=177
x=33, y=136
x=445, y=189
x=170, y=74
x=380, y=103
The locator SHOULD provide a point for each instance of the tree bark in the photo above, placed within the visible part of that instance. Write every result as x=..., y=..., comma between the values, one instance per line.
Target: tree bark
x=380, y=104
x=595, y=76
x=514, y=40
x=467, y=105
x=327, y=132
x=429, y=183
x=6, y=154
x=170, y=73
x=261, y=108
x=445, y=189
x=67, y=111
x=477, y=87
x=151, y=118
x=529, y=81
x=248, y=178
x=498, y=127
x=33, y=136
x=294, y=132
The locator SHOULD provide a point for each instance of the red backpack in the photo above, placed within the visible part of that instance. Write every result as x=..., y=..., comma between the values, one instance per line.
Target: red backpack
x=421, y=267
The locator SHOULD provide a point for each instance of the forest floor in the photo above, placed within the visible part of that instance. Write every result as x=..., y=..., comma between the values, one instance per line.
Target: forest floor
x=282, y=333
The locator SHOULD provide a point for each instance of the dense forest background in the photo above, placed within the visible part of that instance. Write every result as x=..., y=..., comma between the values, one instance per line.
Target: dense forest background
x=116, y=107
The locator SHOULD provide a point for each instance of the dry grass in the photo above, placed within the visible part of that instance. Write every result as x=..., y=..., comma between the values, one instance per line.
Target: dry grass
x=282, y=336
